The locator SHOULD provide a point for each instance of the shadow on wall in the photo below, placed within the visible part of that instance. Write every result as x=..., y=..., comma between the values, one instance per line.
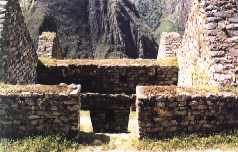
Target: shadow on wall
x=48, y=25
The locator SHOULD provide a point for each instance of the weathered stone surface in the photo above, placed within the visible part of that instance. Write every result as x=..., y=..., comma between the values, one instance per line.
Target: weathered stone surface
x=170, y=42
x=18, y=59
x=23, y=114
x=108, y=78
x=109, y=112
x=210, y=41
x=168, y=115
x=48, y=46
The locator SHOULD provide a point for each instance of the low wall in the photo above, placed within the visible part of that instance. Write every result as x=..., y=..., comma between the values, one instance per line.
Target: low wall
x=109, y=112
x=169, y=113
x=108, y=76
x=26, y=113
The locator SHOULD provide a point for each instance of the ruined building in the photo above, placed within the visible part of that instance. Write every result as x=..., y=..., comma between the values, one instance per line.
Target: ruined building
x=208, y=56
x=18, y=59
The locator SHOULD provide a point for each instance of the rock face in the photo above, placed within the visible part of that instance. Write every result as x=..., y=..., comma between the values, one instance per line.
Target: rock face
x=95, y=28
x=151, y=11
x=209, y=53
x=18, y=59
x=156, y=13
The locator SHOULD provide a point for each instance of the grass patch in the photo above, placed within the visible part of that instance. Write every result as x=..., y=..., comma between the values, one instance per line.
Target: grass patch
x=8, y=88
x=202, y=91
x=168, y=61
x=216, y=90
x=89, y=142
x=119, y=142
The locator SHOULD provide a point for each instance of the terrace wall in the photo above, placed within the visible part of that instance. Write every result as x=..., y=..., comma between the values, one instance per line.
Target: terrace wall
x=108, y=78
x=30, y=113
x=165, y=116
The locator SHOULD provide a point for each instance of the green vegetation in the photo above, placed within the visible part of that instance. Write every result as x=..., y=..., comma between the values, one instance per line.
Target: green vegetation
x=166, y=26
x=169, y=61
x=4, y=88
x=8, y=88
x=211, y=89
x=119, y=142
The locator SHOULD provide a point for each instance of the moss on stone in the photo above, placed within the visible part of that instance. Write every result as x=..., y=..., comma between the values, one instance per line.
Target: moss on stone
x=169, y=61
x=8, y=88
x=174, y=90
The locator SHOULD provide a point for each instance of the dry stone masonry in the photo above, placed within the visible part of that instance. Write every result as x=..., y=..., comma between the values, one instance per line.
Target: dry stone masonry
x=108, y=85
x=39, y=111
x=208, y=57
x=209, y=47
x=108, y=76
x=167, y=112
x=18, y=59
x=109, y=112
x=48, y=46
x=169, y=44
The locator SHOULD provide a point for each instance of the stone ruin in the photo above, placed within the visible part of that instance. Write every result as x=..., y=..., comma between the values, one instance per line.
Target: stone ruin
x=40, y=109
x=207, y=57
x=170, y=42
x=18, y=59
x=48, y=46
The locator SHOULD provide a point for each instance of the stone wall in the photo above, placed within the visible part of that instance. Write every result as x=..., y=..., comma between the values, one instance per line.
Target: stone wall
x=27, y=113
x=18, y=59
x=209, y=47
x=164, y=115
x=169, y=44
x=109, y=112
x=112, y=77
x=48, y=46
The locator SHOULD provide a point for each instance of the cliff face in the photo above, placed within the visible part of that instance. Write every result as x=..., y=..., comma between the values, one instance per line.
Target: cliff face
x=164, y=15
x=69, y=19
x=117, y=30
x=94, y=28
